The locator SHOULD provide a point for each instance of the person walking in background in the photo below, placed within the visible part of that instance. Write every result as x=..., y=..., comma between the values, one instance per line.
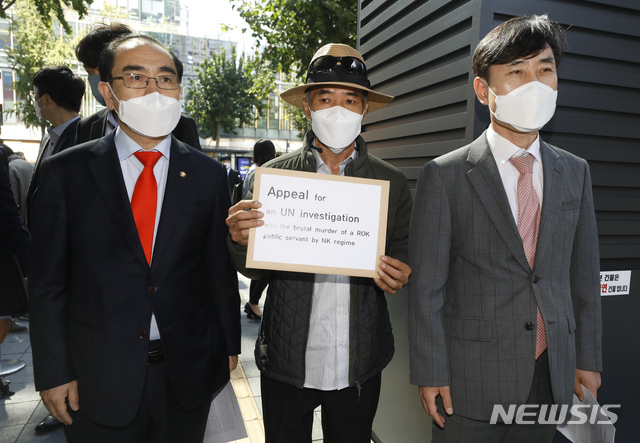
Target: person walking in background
x=131, y=280
x=20, y=172
x=57, y=97
x=263, y=151
x=14, y=239
x=234, y=177
x=504, y=301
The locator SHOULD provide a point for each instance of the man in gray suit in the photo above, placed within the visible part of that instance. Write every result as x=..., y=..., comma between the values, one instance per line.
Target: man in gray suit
x=504, y=299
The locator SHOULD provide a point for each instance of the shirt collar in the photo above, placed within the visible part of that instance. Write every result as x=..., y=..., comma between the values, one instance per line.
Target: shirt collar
x=58, y=130
x=321, y=164
x=126, y=147
x=502, y=149
x=112, y=119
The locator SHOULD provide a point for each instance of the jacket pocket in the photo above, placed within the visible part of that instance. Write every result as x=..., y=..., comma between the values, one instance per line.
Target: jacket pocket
x=466, y=328
x=571, y=204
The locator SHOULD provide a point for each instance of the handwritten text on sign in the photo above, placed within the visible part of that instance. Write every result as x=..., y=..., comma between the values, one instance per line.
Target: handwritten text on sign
x=319, y=223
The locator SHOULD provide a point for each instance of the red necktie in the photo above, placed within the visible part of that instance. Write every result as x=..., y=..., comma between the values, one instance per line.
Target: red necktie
x=528, y=226
x=145, y=200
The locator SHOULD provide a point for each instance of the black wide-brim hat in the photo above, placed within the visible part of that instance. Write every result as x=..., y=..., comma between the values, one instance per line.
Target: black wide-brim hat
x=337, y=77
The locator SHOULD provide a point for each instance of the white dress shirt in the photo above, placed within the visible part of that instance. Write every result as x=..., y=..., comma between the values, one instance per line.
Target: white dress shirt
x=502, y=150
x=131, y=170
x=327, y=353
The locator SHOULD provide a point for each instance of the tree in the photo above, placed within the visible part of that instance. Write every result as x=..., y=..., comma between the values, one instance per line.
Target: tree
x=35, y=46
x=228, y=93
x=47, y=10
x=289, y=32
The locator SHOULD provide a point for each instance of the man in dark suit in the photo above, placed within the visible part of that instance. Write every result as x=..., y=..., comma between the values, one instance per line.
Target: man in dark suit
x=104, y=121
x=504, y=300
x=233, y=175
x=14, y=239
x=131, y=280
x=57, y=96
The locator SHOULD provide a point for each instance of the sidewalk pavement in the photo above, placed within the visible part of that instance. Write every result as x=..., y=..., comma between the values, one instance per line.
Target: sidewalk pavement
x=22, y=411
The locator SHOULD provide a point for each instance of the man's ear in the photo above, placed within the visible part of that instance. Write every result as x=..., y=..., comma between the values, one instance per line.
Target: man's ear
x=108, y=96
x=481, y=88
x=305, y=108
x=366, y=109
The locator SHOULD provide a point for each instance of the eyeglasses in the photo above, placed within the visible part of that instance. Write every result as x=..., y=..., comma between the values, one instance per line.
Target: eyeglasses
x=326, y=63
x=141, y=81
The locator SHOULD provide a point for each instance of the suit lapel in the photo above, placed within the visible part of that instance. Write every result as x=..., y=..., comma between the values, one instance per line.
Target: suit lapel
x=99, y=125
x=107, y=173
x=179, y=177
x=551, y=200
x=485, y=179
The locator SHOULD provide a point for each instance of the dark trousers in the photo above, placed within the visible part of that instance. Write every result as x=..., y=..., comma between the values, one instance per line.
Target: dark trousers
x=161, y=418
x=256, y=289
x=346, y=416
x=459, y=429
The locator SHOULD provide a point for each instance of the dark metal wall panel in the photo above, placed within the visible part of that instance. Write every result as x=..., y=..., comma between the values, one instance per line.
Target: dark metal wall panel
x=419, y=52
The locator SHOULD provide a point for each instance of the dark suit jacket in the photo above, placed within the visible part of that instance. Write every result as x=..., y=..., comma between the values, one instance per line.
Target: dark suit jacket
x=67, y=139
x=234, y=178
x=95, y=126
x=93, y=293
x=13, y=237
x=472, y=292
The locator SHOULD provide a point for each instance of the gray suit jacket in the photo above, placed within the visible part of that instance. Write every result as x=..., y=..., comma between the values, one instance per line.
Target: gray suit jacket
x=472, y=292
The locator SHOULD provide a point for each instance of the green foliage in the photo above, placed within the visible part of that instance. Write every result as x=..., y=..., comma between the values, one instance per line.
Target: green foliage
x=228, y=93
x=289, y=32
x=35, y=46
x=50, y=10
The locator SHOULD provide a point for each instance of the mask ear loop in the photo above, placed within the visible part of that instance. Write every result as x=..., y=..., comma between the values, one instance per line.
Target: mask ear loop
x=113, y=94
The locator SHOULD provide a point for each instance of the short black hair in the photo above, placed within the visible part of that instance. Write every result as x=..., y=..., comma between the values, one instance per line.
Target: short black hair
x=520, y=37
x=63, y=86
x=108, y=56
x=263, y=151
x=100, y=35
x=225, y=158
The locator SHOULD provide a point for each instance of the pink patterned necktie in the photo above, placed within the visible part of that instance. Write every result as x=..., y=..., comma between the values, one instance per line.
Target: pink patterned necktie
x=528, y=226
x=145, y=199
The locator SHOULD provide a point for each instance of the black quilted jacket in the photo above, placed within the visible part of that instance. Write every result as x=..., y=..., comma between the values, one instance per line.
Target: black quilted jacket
x=282, y=340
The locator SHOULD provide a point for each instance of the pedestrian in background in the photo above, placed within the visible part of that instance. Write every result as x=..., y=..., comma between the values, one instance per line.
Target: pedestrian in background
x=263, y=151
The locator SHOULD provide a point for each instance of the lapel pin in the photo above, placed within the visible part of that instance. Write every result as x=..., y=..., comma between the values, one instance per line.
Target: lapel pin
x=183, y=174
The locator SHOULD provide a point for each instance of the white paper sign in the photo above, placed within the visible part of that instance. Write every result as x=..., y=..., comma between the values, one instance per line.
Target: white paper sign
x=615, y=282
x=319, y=223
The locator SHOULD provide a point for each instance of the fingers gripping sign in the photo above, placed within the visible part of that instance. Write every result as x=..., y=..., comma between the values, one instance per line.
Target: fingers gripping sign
x=243, y=216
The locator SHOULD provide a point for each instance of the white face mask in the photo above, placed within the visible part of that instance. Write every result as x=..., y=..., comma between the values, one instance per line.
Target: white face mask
x=152, y=115
x=36, y=104
x=336, y=127
x=527, y=108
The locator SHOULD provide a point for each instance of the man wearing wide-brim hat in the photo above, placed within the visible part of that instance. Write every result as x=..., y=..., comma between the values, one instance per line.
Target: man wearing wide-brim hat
x=325, y=339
